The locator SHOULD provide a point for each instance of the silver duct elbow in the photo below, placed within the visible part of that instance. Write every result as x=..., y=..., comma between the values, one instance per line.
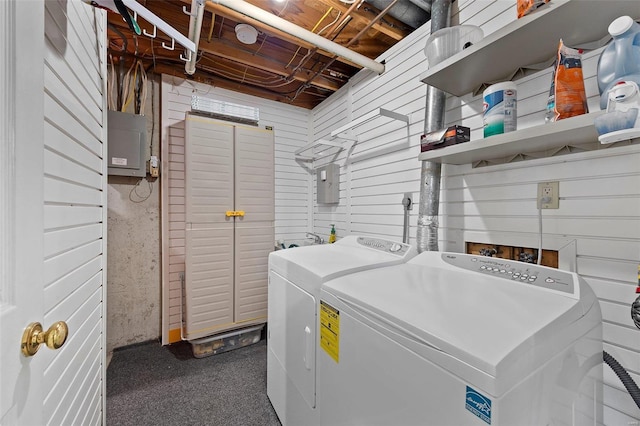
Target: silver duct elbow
x=427, y=233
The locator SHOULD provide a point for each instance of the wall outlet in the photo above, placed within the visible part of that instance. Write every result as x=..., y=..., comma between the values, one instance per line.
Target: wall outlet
x=549, y=195
x=153, y=166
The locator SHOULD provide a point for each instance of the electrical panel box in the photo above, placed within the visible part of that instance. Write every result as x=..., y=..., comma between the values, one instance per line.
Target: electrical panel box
x=126, y=144
x=328, y=180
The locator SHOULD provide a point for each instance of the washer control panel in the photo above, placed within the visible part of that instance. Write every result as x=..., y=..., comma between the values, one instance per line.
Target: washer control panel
x=526, y=273
x=384, y=245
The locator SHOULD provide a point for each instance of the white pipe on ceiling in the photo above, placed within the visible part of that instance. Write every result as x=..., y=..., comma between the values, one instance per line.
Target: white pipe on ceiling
x=274, y=21
x=195, y=26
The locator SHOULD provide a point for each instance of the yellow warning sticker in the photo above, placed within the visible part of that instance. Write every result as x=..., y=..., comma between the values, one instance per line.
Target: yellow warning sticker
x=330, y=330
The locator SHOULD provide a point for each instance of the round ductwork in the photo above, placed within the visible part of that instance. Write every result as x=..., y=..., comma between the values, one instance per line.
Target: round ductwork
x=246, y=33
x=413, y=13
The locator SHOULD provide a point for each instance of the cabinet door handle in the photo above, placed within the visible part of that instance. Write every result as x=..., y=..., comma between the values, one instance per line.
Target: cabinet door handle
x=232, y=213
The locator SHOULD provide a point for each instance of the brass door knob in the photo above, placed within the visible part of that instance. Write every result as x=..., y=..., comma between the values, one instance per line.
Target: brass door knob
x=33, y=337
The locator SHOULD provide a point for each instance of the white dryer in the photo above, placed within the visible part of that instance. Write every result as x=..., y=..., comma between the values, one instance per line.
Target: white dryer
x=454, y=339
x=295, y=278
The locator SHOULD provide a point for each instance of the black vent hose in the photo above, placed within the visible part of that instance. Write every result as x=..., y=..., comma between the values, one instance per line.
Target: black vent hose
x=624, y=377
x=635, y=310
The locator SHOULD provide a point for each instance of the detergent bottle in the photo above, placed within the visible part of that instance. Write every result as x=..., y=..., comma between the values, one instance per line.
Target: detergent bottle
x=332, y=235
x=620, y=60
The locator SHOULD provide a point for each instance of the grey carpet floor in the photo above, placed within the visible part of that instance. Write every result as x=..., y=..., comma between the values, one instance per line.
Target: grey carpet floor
x=150, y=384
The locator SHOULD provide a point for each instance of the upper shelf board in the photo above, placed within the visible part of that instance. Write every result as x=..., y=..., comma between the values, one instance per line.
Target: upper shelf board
x=325, y=148
x=378, y=112
x=529, y=40
x=547, y=137
x=309, y=153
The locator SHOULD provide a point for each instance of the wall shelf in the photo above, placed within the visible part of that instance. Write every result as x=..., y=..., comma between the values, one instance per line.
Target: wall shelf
x=562, y=137
x=378, y=112
x=530, y=40
x=319, y=148
x=344, y=137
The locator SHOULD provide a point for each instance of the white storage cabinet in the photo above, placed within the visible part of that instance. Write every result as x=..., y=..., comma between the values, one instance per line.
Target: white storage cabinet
x=229, y=225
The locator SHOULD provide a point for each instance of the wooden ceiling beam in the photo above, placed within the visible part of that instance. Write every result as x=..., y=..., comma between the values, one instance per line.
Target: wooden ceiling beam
x=395, y=33
x=224, y=49
x=221, y=49
x=304, y=100
x=238, y=17
x=264, y=69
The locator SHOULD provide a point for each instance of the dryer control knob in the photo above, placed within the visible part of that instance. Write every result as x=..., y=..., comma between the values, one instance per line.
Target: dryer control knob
x=395, y=247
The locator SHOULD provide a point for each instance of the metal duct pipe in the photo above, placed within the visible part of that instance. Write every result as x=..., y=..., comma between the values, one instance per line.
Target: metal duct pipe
x=427, y=235
x=195, y=26
x=423, y=4
x=296, y=31
x=405, y=11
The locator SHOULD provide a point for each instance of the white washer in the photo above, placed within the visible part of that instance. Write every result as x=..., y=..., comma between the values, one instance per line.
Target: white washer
x=454, y=339
x=295, y=278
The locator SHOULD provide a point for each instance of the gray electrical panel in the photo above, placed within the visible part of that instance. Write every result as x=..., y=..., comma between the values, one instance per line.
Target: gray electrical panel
x=328, y=179
x=126, y=144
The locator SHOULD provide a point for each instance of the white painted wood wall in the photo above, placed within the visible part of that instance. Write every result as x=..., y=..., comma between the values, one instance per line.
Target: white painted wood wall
x=599, y=191
x=292, y=130
x=74, y=209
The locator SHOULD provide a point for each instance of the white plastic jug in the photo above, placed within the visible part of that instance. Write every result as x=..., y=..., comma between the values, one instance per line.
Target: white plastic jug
x=623, y=96
x=620, y=60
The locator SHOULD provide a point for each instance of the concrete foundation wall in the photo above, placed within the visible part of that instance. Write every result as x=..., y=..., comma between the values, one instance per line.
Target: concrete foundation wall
x=133, y=279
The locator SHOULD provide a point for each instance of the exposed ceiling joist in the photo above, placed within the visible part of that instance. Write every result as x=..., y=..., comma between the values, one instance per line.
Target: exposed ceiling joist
x=221, y=49
x=305, y=100
x=278, y=66
x=396, y=32
x=272, y=32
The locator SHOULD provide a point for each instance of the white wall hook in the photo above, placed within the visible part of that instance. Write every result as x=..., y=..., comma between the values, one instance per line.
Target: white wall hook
x=187, y=12
x=161, y=25
x=172, y=47
x=153, y=34
x=188, y=57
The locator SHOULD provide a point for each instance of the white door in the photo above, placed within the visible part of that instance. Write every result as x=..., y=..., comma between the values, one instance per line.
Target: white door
x=52, y=209
x=21, y=214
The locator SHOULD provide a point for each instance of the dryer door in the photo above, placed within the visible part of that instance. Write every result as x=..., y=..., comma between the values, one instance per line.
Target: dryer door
x=292, y=335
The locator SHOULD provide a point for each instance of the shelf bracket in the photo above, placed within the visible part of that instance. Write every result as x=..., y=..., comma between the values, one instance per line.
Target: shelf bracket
x=347, y=135
x=378, y=112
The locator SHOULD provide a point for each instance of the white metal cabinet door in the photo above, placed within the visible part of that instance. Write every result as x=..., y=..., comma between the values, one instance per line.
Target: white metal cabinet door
x=209, y=279
x=209, y=268
x=254, y=232
x=209, y=170
x=253, y=243
x=254, y=174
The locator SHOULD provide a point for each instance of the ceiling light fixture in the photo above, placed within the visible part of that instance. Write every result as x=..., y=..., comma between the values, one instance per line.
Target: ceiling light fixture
x=246, y=33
